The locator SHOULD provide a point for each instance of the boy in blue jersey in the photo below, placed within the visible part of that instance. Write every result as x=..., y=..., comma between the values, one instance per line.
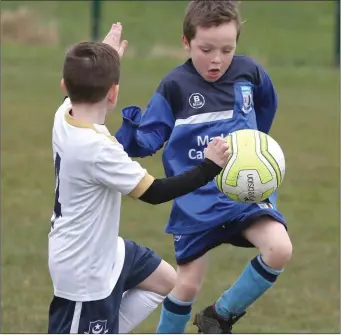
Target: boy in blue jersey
x=215, y=92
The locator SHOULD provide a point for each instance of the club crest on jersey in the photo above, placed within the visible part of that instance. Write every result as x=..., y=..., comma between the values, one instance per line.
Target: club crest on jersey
x=247, y=99
x=98, y=327
x=196, y=100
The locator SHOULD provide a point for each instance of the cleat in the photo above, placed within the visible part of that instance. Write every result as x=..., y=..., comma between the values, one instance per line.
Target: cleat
x=209, y=322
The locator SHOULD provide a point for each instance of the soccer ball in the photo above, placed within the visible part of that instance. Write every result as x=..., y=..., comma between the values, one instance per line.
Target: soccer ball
x=255, y=169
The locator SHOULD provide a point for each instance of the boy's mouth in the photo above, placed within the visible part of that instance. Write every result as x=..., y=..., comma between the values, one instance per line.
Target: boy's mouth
x=213, y=73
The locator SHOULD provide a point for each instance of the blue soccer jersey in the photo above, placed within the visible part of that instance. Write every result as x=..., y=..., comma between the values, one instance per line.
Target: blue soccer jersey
x=186, y=112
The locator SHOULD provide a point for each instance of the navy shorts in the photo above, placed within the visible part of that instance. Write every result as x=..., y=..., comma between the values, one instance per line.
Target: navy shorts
x=101, y=316
x=189, y=247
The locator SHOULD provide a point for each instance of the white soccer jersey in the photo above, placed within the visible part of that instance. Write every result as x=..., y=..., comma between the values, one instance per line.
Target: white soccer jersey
x=86, y=255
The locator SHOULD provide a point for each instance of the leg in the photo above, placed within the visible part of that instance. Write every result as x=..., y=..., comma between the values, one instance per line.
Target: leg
x=138, y=303
x=135, y=307
x=161, y=281
x=176, y=309
x=190, y=278
x=263, y=231
x=192, y=262
x=149, y=280
x=272, y=240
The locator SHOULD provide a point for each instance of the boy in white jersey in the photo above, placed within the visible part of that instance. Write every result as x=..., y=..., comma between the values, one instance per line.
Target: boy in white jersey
x=90, y=265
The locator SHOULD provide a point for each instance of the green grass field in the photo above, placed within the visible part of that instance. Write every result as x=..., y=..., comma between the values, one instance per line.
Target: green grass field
x=294, y=40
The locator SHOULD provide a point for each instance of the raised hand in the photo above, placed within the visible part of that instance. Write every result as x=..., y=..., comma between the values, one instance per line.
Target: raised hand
x=113, y=38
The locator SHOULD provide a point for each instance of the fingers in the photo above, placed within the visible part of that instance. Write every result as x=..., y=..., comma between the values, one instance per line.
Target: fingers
x=116, y=31
x=220, y=144
x=227, y=153
x=123, y=45
x=214, y=141
x=218, y=151
x=113, y=38
x=219, y=140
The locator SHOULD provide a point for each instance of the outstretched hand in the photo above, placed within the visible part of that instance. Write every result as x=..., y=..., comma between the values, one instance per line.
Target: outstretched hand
x=113, y=39
x=218, y=151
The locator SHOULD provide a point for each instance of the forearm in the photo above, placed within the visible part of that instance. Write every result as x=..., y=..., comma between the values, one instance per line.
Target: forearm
x=166, y=189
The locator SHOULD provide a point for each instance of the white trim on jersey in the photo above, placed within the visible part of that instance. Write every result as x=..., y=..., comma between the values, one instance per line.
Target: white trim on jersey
x=205, y=117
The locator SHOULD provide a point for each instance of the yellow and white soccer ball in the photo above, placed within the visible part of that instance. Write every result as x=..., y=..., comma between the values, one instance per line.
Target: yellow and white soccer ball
x=255, y=169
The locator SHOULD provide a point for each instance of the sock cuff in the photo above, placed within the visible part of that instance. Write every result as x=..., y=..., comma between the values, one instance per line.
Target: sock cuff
x=268, y=268
x=257, y=265
x=177, y=307
x=180, y=302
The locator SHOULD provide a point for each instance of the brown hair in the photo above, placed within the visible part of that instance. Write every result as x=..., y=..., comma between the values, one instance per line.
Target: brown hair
x=90, y=70
x=206, y=13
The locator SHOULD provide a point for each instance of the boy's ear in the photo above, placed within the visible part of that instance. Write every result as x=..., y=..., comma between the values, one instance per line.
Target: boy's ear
x=113, y=94
x=185, y=43
x=62, y=85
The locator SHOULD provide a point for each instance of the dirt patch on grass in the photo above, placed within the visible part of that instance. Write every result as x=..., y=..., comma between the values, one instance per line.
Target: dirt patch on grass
x=25, y=26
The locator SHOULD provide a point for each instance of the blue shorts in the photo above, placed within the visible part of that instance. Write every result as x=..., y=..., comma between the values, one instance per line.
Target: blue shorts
x=101, y=316
x=189, y=247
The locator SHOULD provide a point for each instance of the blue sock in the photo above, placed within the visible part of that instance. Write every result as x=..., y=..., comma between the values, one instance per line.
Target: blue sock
x=252, y=283
x=174, y=316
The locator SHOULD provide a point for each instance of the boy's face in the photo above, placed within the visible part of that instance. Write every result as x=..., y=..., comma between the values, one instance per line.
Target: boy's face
x=212, y=49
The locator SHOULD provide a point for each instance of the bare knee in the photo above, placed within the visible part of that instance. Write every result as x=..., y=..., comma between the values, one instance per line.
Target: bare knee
x=272, y=240
x=186, y=289
x=189, y=280
x=277, y=253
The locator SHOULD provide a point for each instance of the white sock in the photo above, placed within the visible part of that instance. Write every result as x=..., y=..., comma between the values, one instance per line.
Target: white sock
x=135, y=307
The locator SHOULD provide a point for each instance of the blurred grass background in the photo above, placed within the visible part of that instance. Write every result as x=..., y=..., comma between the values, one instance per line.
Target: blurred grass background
x=293, y=40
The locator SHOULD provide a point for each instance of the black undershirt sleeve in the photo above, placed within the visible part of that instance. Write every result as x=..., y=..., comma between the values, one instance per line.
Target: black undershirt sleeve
x=166, y=189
